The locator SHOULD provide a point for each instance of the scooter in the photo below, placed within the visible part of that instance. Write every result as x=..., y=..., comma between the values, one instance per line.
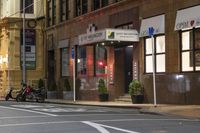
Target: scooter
x=28, y=93
x=10, y=94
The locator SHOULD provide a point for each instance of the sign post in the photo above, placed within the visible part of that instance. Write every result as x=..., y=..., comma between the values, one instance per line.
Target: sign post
x=74, y=79
x=151, y=33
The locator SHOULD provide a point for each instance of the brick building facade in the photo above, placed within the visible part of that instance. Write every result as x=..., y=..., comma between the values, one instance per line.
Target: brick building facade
x=118, y=62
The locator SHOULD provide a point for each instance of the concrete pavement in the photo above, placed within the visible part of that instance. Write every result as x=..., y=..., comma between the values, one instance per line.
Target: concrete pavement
x=188, y=111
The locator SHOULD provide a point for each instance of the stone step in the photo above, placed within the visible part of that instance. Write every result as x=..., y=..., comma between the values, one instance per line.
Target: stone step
x=125, y=98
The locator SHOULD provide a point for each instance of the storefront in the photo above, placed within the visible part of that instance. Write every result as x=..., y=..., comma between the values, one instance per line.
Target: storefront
x=106, y=54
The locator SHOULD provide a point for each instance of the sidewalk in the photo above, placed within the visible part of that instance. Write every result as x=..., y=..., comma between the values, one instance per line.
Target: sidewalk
x=187, y=111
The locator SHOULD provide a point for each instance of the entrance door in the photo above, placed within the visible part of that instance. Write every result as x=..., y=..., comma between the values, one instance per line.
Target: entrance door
x=51, y=67
x=128, y=71
x=123, y=67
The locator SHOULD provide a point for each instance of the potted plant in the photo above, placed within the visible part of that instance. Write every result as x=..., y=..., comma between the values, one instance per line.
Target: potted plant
x=67, y=91
x=136, y=91
x=103, y=91
x=40, y=84
x=52, y=93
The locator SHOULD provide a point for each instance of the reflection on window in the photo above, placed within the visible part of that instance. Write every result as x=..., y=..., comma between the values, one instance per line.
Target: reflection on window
x=190, y=50
x=64, y=62
x=159, y=45
x=101, y=60
x=81, y=65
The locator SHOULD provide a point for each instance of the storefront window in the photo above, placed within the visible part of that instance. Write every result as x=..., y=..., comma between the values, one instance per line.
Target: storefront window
x=159, y=45
x=81, y=65
x=101, y=61
x=64, y=62
x=190, y=50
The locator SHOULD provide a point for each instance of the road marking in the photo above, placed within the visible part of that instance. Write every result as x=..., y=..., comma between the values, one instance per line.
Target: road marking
x=79, y=115
x=64, y=122
x=37, y=112
x=97, y=126
x=118, y=129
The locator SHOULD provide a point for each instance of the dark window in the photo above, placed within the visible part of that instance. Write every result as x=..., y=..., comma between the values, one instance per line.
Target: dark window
x=64, y=10
x=96, y=4
x=53, y=12
x=190, y=50
x=29, y=6
x=81, y=7
x=49, y=13
x=104, y=3
x=101, y=60
x=99, y=4
x=82, y=67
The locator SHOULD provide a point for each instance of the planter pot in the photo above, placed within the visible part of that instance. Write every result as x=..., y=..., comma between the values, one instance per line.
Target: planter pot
x=103, y=97
x=137, y=98
x=68, y=95
x=52, y=94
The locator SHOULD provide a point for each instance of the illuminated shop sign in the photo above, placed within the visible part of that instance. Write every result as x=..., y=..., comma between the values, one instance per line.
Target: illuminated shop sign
x=109, y=35
x=157, y=22
x=187, y=18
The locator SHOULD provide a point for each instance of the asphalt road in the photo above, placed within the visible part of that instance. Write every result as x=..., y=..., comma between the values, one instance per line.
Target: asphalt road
x=27, y=117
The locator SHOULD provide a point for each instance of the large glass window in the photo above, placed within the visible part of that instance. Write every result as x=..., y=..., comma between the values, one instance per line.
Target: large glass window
x=190, y=50
x=159, y=48
x=81, y=7
x=64, y=62
x=81, y=65
x=64, y=10
x=29, y=6
x=101, y=60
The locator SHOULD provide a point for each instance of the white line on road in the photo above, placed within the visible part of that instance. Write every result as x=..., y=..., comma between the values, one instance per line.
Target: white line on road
x=117, y=120
x=99, y=128
x=118, y=129
x=25, y=110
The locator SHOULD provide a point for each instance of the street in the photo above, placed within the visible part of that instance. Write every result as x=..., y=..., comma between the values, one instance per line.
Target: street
x=28, y=117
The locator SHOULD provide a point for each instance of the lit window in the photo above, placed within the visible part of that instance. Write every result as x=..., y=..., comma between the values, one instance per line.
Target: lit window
x=190, y=50
x=159, y=48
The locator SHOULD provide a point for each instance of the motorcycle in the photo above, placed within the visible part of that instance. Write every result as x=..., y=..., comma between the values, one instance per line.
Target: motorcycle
x=28, y=93
x=11, y=94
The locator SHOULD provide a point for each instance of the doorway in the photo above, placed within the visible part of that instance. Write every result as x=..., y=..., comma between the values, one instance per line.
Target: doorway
x=51, y=67
x=123, y=67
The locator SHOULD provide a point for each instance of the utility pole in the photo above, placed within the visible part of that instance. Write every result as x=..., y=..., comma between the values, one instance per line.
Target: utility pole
x=23, y=47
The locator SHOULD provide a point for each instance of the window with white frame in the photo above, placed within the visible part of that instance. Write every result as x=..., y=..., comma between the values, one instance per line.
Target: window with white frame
x=159, y=50
x=190, y=50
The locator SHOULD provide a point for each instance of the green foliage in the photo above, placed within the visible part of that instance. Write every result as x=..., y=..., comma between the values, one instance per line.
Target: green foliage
x=67, y=86
x=52, y=86
x=102, y=89
x=40, y=83
x=135, y=88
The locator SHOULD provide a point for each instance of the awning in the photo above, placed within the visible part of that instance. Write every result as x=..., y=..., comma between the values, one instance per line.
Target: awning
x=109, y=35
x=187, y=18
x=157, y=22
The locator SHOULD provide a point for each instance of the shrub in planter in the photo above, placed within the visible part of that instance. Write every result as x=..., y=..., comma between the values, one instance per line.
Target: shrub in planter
x=103, y=91
x=52, y=93
x=67, y=91
x=136, y=91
